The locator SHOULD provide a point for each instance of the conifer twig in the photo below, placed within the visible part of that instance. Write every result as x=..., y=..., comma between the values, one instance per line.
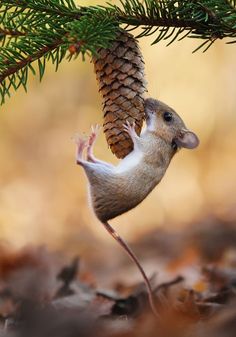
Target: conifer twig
x=32, y=30
x=28, y=60
x=10, y=32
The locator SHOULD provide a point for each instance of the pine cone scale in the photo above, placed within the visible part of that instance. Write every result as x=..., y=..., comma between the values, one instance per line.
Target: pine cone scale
x=120, y=73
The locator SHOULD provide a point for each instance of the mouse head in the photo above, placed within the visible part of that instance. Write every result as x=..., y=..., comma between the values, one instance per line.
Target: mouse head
x=167, y=124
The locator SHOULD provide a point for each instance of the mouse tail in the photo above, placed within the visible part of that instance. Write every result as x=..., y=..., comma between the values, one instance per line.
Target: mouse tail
x=133, y=257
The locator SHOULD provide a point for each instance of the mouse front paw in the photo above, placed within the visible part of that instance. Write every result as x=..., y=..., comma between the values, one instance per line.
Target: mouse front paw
x=130, y=129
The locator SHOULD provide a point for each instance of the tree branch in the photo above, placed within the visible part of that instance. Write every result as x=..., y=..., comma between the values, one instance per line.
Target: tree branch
x=46, y=9
x=23, y=63
x=9, y=32
x=34, y=29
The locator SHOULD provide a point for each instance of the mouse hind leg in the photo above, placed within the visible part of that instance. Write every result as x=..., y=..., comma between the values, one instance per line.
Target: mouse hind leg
x=81, y=146
x=91, y=141
x=95, y=168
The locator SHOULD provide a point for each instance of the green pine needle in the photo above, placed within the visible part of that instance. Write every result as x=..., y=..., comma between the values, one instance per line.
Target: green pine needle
x=34, y=32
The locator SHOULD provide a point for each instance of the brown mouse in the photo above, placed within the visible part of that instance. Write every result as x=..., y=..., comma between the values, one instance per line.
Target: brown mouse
x=115, y=190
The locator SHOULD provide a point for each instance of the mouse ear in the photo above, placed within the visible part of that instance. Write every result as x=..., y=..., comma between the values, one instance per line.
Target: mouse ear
x=187, y=139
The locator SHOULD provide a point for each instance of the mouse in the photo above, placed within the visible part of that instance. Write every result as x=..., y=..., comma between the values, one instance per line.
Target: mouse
x=116, y=189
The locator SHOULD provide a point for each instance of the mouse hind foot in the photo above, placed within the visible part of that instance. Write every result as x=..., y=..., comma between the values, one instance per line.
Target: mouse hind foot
x=82, y=144
x=91, y=140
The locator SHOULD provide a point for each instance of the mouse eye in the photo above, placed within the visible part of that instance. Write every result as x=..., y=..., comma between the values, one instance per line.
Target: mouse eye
x=167, y=116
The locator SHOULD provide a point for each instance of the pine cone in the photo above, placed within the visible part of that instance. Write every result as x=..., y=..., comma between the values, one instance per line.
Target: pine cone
x=120, y=74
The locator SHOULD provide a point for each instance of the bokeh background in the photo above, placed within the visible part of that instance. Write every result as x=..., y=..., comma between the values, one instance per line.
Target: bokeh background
x=43, y=194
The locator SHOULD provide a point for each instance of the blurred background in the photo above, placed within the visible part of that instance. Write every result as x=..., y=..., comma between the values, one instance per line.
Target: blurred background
x=43, y=194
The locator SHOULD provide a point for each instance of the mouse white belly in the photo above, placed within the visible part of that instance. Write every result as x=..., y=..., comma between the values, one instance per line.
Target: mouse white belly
x=129, y=162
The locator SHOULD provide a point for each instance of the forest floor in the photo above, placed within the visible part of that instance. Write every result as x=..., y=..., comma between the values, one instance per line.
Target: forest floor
x=41, y=296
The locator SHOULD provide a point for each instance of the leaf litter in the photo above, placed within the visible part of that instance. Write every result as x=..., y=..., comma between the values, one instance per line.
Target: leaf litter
x=41, y=296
